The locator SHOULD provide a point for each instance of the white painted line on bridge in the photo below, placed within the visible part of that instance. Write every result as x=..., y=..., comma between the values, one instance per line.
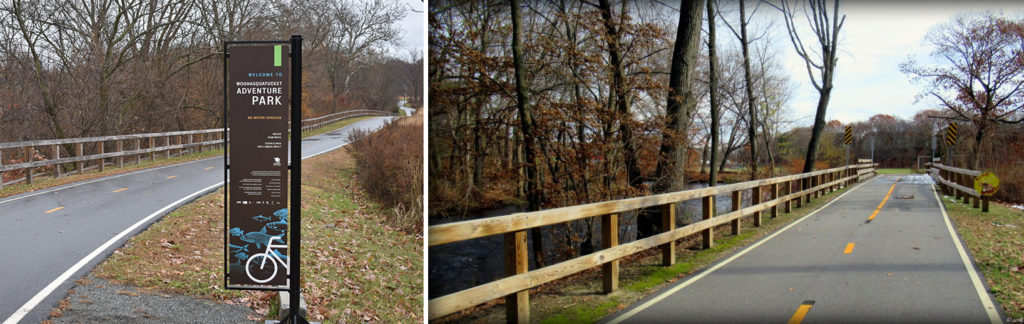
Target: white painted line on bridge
x=690, y=281
x=986, y=300
x=35, y=300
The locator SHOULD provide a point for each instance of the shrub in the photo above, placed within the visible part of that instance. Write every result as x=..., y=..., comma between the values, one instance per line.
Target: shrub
x=390, y=164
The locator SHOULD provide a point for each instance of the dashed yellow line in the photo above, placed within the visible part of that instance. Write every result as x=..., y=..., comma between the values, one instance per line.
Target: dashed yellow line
x=883, y=200
x=208, y=168
x=53, y=210
x=120, y=190
x=801, y=312
x=849, y=248
x=172, y=177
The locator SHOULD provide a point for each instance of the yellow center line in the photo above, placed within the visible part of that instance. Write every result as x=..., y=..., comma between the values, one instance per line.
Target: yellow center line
x=801, y=312
x=208, y=168
x=120, y=190
x=53, y=210
x=849, y=248
x=883, y=200
x=172, y=177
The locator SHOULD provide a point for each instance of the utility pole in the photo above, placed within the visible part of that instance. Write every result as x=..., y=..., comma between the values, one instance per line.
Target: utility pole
x=872, y=149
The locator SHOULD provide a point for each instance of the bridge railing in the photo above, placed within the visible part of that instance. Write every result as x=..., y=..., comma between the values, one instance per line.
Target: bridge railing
x=767, y=195
x=958, y=183
x=114, y=150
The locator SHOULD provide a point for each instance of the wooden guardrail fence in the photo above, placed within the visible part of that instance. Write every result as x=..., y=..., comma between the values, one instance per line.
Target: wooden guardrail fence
x=958, y=183
x=113, y=148
x=515, y=287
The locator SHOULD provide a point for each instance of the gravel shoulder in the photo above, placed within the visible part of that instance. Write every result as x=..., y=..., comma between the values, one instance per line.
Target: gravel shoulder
x=96, y=300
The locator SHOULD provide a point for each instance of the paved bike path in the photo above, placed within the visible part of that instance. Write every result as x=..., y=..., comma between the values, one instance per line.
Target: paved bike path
x=46, y=233
x=903, y=267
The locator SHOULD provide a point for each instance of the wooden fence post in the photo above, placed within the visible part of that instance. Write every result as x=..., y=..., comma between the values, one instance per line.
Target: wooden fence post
x=182, y=148
x=775, y=195
x=190, y=141
x=737, y=202
x=81, y=164
x=152, y=154
x=755, y=199
x=1, y=172
x=138, y=146
x=668, y=223
x=99, y=148
x=202, y=136
x=708, y=211
x=167, y=143
x=517, y=305
x=610, y=238
x=789, y=202
x=56, y=156
x=28, y=159
x=120, y=148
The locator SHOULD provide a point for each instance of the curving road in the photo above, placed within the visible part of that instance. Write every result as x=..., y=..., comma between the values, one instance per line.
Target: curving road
x=54, y=236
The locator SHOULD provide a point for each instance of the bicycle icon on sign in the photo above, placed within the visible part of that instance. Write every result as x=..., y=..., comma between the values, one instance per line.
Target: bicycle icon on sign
x=268, y=254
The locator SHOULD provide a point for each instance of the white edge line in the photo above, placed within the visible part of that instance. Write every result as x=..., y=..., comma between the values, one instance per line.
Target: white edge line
x=25, y=309
x=986, y=300
x=42, y=294
x=693, y=279
x=76, y=184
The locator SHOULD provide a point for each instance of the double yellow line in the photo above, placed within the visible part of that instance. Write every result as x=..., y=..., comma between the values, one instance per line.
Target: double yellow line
x=884, y=200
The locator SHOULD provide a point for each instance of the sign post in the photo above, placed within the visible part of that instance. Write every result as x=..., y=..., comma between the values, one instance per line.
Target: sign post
x=848, y=140
x=263, y=236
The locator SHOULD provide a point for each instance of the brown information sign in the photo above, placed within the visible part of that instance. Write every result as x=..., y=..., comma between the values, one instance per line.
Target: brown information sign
x=258, y=109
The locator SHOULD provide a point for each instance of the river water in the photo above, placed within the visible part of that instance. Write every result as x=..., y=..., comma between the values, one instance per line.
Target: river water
x=462, y=265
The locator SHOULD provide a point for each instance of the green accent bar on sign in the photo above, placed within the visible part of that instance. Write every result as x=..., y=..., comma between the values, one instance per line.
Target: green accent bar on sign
x=277, y=55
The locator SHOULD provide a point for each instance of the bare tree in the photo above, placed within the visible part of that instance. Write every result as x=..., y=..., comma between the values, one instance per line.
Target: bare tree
x=820, y=64
x=981, y=78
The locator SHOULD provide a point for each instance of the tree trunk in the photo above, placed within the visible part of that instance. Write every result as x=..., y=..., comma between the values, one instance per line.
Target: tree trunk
x=526, y=125
x=713, y=87
x=682, y=102
x=819, y=125
x=620, y=96
x=752, y=121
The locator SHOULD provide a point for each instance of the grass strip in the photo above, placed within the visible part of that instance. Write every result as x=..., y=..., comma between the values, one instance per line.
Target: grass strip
x=995, y=240
x=355, y=268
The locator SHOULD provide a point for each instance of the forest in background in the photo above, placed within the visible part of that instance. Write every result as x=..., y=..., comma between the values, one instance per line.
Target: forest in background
x=108, y=67
x=598, y=83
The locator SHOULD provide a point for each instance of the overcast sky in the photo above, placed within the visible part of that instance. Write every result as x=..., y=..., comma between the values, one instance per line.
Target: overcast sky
x=875, y=39
x=414, y=25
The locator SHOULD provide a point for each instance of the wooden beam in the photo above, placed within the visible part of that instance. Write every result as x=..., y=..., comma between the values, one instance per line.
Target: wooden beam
x=517, y=304
x=668, y=224
x=707, y=212
x=609, y=239
x=737, y=203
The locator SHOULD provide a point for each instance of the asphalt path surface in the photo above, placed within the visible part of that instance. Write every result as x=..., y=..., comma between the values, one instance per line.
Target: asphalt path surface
x=53, y=237
x=906, y=265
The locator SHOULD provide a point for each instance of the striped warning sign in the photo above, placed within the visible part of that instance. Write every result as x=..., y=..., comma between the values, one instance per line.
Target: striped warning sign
x=951, y=134
x=848, y=136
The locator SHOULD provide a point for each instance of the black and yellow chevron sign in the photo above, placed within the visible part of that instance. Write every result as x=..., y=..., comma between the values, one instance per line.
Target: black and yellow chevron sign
x=848, y=136
x=951, y=134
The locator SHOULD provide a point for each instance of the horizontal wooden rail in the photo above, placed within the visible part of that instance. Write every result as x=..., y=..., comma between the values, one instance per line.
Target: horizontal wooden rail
x=168, y=142
x=517, y=283
x=466, y=230
x=958, y=183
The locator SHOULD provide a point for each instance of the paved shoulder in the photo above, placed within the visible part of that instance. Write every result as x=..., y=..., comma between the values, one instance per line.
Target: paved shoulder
x=836, y=265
